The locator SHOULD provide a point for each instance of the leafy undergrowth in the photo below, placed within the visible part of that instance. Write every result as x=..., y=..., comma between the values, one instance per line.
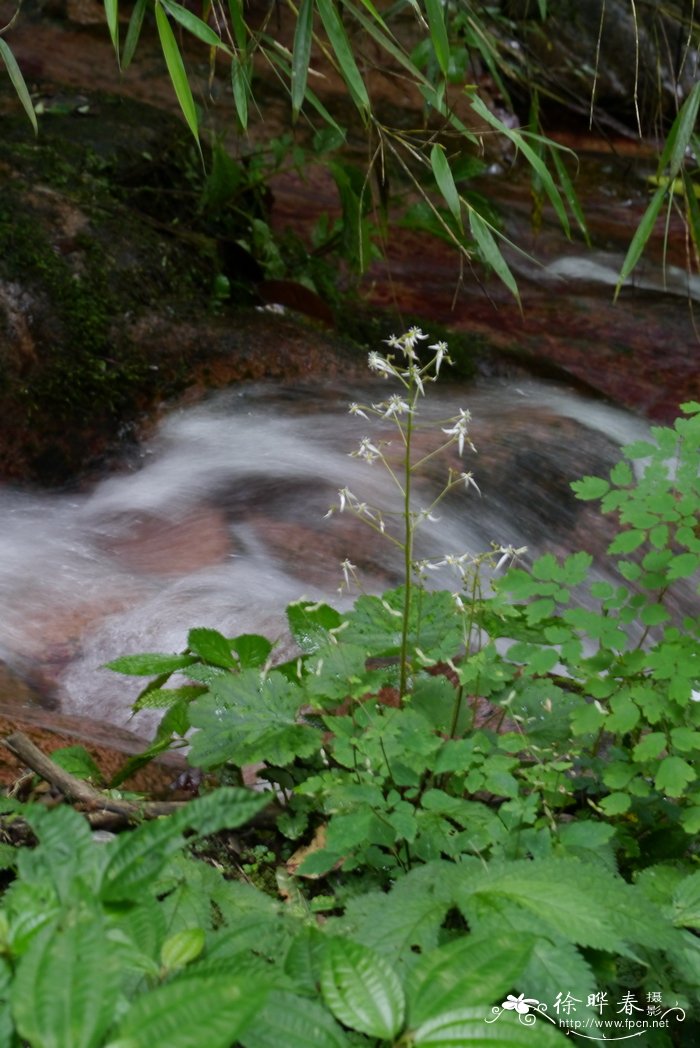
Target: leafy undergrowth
x=480, y=809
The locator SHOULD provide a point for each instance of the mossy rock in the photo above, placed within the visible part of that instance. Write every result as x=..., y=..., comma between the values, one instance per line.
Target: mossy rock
x=100, y=242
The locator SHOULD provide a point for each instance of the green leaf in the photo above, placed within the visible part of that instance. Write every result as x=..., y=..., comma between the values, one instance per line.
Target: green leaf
x=194, y=25
x=343, y=52
x=15, y=74
x=438, y=33
x=683, y=566
x=240, y=86
x=616, y=803
x=176, y=69
x=639, y=240
x=294, y=1022
x=650, y=746
x=211, y=646
x=673, y=775
x=192, y=1011
x=627, y=541
x=310, y=624
x=686, y=902
x=468, y=1028
x=253, y=650
x=133, y=32
x=678, y=138
x=362, y=989
x=66, y=986
x=590, y=488
x=145, y=665
x=445, y=181
x=301, y=54
x=471, y=969
x=135, y=860
x=181, y=948
x=490, y=251
x=167, y=698
x=78, y=762
x=112, y=16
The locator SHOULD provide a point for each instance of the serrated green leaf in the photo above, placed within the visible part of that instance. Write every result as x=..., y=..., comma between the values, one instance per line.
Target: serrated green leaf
x=627, y=541
x=650, y=746
x=66, y=986
x=686, y=902
x=362, y=989
x=146, y=665
x=468, y=1028
x=472, y=969
x=211, y=646
x=310, y=624
x=673, y=775
x=15, y=74
x=683, y=566
x=589, y=488
x=166, y=698
x=295, y=1022
x=78, y=762
x=192, y=1011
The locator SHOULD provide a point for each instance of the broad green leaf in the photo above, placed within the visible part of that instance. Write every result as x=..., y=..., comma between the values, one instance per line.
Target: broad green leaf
x=650, y=746
x=194, y=25
x=133, y=32
x=590, y=488
x=135, y=860
x=176, y=69
x=686, y=902
x=343, y=52
x=438, y=33
x=182, y=948
x=471, y=969
x=684, y=565
x=673, y=775
x=445, y=182
x=301, y=54
x=66, y=986
x=222, y=809
x=148, y=665
x=112, y=16
x=362, y=989
x=641, y=235
x=192, y=1011
x=491, y=253
x=15, y=74
x=165, y=698
x=294, y=1022
x=310, y=624
x=78, y=762
x=211, y=646
x=252, y=650
x=471, y=1028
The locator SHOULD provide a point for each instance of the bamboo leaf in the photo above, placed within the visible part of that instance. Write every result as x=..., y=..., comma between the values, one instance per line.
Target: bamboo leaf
x=570, y=193
x=302, y=54
x=680, y=134
x=240, y=30
x=446, y=182
x=112, y=13
x=194, y=25
x=176, y=69
x=386, y=42
x=133, y=32
x=15, y=74
x=491, y=253
x=642, y=234
x=343, y=52
x=240, y=86
x=438, y=33
x=692, y=209
x=530, y=155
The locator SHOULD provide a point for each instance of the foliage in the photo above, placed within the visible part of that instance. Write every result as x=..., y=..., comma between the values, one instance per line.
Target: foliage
x=487, y=791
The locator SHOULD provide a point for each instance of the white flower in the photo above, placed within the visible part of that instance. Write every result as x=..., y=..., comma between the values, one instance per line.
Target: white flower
x=414, y=374
x=440, y=355
x=349, y=570
x=380, y=364
x=509, y=553
x=355, y=409
x=460, y=429
x=395, y=405
x=367, y=451
x=469, y=481
x=345, y=496
x=393, y=342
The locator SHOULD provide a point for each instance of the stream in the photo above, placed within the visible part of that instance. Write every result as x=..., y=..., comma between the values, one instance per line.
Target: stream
x=220, y=520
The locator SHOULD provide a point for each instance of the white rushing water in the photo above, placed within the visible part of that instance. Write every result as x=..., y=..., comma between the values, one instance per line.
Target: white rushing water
x=221, y=522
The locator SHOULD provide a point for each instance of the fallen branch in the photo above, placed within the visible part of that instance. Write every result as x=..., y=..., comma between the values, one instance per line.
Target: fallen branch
x=100, y=809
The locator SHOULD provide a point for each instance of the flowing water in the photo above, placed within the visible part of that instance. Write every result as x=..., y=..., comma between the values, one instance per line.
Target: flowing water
x=220, y=520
